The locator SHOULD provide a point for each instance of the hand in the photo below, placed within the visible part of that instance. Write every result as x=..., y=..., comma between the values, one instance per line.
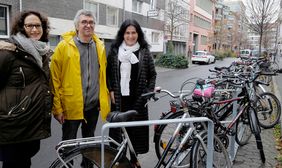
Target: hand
x=60, y=118
x=112, y=94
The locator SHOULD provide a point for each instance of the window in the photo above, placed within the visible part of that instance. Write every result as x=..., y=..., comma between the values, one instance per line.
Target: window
x=4, y=22
x=137, y=6
x=155, y=37
x=200, y=22
x=53, y=41
x=93, y=7
x=112, y=16
x=203, y=40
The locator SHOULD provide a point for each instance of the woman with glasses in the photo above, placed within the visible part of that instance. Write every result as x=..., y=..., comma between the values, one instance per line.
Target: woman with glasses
x=25, y=97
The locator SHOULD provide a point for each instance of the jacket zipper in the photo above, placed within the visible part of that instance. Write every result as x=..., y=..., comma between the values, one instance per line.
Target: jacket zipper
x=21, y=71
x=12, y=109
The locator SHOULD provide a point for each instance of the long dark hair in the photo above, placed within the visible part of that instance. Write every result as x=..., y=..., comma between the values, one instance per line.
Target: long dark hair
x=18, y=24
x=141, y=38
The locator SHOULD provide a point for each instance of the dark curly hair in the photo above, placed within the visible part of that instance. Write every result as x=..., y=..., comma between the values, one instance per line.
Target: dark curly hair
x=18, y=24
x=120, y=35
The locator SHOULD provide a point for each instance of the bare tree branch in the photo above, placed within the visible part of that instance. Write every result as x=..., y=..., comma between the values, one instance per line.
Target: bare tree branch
x=260, y=16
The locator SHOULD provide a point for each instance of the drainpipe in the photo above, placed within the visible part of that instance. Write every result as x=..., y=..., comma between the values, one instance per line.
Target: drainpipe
x=123, y=17
x=21, y=5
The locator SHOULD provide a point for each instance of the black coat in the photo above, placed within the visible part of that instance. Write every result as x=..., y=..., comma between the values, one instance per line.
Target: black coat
x=25, y=97
x=146, y=80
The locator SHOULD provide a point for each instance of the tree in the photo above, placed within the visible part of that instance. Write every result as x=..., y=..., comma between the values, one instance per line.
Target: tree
x=176, y=16
x=260, y=16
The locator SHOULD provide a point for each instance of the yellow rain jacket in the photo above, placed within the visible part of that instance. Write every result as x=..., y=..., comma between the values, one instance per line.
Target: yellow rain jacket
x=66, y=79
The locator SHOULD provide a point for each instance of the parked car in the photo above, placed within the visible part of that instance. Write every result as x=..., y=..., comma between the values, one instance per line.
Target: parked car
x=202, y=57
x=246, y=53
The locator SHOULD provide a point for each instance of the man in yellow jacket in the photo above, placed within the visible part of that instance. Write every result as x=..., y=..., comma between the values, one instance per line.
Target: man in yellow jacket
x=78, y=76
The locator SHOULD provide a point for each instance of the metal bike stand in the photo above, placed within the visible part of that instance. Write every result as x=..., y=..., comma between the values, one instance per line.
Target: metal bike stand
x=160, y=122
x=233, y=146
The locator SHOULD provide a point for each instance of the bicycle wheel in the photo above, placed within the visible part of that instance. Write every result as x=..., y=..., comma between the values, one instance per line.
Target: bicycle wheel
x=268, y=109
x=199, y=156
x=256, y=131
x=163, y=135
x=243, y=131
x=73, y=158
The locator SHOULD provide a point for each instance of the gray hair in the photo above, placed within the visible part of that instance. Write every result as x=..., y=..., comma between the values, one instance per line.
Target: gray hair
x=82, y=12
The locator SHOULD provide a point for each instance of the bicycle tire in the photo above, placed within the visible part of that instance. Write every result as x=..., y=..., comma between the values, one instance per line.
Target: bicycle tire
x=93, y=153
x=256, y=131
x=220, y=156
x=243, y=131
x=268, y=109
x=163, y=135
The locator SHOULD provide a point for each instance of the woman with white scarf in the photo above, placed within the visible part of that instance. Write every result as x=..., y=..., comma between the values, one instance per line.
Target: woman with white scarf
x=130, y=73
x=25, y=97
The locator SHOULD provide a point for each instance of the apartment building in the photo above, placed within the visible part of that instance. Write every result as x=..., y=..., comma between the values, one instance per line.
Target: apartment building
x=239, y=27
x=222, y=36
x=109, y=14
x=201, y=24
x=269, y=39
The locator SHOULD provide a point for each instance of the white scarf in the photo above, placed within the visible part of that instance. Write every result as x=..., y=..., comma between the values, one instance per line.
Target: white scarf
x=126, y=57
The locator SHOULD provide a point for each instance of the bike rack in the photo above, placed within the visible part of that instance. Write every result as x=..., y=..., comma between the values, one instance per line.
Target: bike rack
x=160, y=122
x=232, y=143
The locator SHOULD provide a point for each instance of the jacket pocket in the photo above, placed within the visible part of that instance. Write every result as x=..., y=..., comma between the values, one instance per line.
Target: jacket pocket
x=18, y=109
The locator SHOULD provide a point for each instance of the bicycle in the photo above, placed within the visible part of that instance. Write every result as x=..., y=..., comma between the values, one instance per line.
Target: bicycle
x=71, y=152
x=244, y=120
x=174, y=140
x=90, y=148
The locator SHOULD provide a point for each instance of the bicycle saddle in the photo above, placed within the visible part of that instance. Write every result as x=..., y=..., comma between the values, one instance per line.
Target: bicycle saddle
x=117, y=116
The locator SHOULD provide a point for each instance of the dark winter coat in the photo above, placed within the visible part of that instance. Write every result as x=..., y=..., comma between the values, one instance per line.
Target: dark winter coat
x=146, y=79
x=25, y=97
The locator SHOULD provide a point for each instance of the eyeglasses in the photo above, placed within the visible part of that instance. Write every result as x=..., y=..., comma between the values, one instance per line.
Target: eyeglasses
x=85, y=22
x=31, y=26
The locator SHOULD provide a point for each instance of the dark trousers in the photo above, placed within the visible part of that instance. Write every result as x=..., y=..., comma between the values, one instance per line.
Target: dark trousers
x=18, y=155
x=88, y=126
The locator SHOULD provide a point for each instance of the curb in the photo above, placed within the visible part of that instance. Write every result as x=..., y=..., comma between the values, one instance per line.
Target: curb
x=278, y=95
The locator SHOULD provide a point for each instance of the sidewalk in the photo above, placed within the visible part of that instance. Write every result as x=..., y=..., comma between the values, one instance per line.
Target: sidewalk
x=248, y=156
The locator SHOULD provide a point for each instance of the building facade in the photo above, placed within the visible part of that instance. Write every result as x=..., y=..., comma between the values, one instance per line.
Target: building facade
x=201, y=24
x=109, y=15
x=240, y=29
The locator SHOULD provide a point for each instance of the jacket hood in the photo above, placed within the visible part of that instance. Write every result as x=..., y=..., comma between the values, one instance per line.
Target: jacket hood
x=7, y=46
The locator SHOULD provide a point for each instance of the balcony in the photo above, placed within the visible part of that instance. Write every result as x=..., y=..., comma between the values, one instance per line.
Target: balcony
x=217, y=28
x=229, y=26
x=218, y=17
x=230, y=17
x=218, y=6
